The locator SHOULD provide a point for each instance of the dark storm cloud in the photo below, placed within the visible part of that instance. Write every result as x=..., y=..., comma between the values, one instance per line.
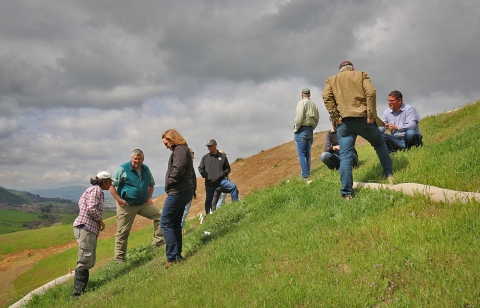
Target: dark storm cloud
x=82, y=83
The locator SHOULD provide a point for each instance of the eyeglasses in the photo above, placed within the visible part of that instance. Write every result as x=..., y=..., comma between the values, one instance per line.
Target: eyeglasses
x=391, y=100
x=209, y=146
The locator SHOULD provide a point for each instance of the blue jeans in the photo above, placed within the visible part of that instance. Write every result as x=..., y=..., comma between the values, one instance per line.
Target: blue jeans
x=210, y=190
x=332, y=160
x=171, y=223
x=221, y=200
x=303, y=140
x=185, y=213
x=347, y=133
x=411, y=138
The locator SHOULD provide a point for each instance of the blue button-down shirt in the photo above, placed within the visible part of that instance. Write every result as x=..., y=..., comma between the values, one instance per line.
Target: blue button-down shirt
x=406, y=118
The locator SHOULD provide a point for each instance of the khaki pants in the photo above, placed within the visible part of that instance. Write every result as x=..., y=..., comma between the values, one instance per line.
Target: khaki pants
x=87, y=248
x=125, y=217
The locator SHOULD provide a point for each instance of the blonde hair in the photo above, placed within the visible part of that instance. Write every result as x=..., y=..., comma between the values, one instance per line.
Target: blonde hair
x=175, y=137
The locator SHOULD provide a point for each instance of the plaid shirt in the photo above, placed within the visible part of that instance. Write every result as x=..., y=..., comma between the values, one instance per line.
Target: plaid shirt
x=91, y=209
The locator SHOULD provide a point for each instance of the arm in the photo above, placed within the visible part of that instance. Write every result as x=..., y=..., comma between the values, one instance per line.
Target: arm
x=119, y=175
x=179, y=162
x=117, y=198
x=371, y=96
x=93, y=207
x=299, y=116
x=226, y=166
x=201, y=167
x=330, y=103
x=328, y=147
x=411, y=120
x=150, y=194
x=194, y=182
x=384, y=120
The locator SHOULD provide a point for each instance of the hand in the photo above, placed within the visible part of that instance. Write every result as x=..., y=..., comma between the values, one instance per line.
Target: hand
x=370, y=120
x=122, y=203
x=336, y=148
x=339, y=121
x=391, y=127
x=102, y=225
x=149, y=201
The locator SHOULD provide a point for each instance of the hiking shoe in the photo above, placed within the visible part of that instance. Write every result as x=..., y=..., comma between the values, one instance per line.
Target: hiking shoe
x=170, y=263
x=348, y=197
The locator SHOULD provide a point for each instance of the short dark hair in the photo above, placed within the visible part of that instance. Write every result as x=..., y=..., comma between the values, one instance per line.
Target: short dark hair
x=97, y=181
x=397, y=94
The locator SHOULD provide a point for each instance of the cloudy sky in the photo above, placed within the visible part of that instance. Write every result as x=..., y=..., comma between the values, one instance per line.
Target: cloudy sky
x=83, y=83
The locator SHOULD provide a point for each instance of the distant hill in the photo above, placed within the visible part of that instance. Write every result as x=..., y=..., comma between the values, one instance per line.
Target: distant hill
x=70, y=192
x=75, y=192
x=26, y=201
x=10, y=199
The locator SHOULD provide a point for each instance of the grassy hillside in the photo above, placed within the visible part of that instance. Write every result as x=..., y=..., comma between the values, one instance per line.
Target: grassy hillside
x=9, y=199
x=298, y=245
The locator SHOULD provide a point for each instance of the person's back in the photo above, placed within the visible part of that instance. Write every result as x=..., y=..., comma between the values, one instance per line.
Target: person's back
x=354, y=94
x=350, y=99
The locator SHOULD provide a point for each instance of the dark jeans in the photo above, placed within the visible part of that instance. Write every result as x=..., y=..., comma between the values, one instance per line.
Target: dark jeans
x=171, y=223
x=347, y=133
x=332, y=160
x=210, y=191
x=411, y=138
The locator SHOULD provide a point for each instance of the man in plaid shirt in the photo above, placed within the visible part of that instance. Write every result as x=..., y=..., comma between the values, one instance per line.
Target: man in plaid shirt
x=86, y=228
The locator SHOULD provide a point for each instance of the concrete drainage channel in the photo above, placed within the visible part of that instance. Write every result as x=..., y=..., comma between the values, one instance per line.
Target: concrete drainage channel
x=41, y=290
x=435, y=194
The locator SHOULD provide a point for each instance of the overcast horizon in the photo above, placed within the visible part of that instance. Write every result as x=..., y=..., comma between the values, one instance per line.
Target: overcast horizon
x=83, y=83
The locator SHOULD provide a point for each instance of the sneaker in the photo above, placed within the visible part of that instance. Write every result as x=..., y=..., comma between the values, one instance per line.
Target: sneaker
x=201, y=218
x=307, y=180
x=348, y=197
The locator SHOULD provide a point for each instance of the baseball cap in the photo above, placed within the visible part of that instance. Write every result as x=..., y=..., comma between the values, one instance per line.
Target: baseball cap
x=103, y=175
x=211, y=142
x=306, y=91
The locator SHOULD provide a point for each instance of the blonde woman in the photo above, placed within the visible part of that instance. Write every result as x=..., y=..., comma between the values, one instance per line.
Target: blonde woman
x=179, y=187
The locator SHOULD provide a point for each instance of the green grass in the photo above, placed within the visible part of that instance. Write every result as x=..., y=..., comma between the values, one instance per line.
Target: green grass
x=58, y=265
x=298, y=245
x=40, y=238
x=12, y=221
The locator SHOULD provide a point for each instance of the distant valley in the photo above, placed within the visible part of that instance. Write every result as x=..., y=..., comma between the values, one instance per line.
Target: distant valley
x=75, y=192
